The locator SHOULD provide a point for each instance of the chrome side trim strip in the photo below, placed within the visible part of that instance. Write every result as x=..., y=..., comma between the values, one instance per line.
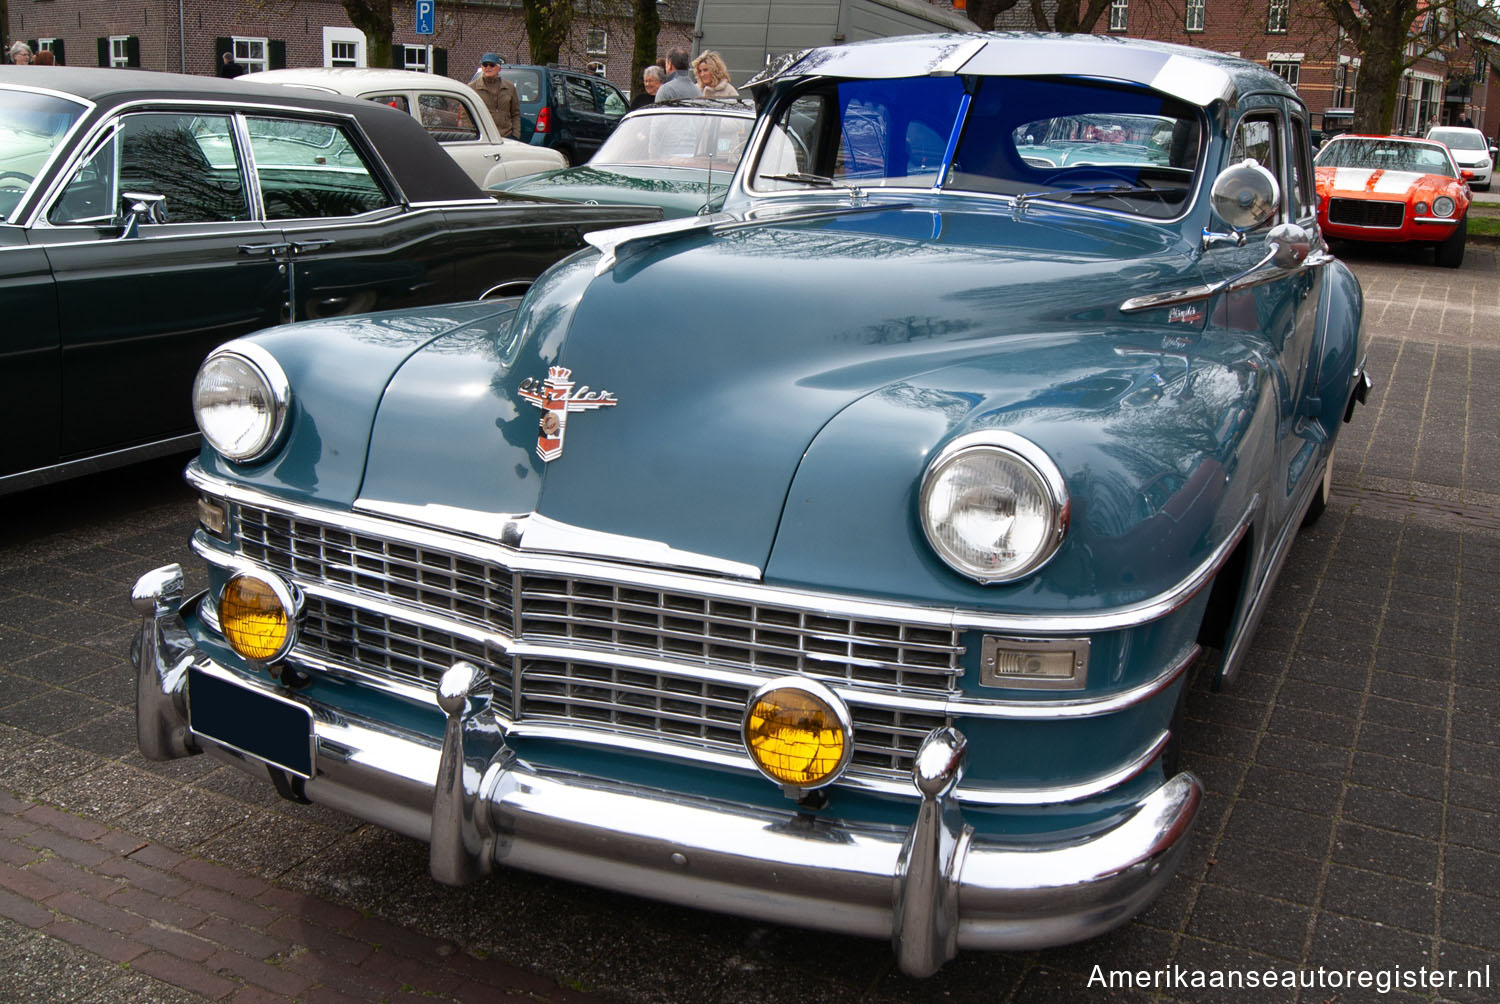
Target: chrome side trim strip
x=505, y=552
x=23, y=480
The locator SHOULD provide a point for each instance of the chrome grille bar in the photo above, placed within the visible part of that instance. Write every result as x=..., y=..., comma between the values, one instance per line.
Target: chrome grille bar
x=622, y=659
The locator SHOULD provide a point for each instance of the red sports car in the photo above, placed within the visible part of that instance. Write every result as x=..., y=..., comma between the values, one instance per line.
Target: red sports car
x=1392, y=188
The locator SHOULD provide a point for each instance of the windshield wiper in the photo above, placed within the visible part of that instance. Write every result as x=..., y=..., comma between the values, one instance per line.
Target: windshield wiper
x=1110, y=191
x=806, y=179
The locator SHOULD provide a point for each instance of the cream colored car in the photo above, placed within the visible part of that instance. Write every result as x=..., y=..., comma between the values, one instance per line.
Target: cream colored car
x=450, y=111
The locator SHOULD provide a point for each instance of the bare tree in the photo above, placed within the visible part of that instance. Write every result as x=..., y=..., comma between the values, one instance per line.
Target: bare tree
x=373, y=17
x=1066, y=15
x=547, y=25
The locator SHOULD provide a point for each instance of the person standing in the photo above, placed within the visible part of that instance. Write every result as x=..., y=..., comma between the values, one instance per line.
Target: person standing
x=499, y=96
x=713, y=76
x=44, y=58
x=651, y=78
x=680, y=84
x=228, y=67
x=20, y=53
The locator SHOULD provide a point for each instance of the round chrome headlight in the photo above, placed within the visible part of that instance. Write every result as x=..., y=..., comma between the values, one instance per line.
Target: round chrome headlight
x=240, y=400
x=994, y=506
x=1442, y=206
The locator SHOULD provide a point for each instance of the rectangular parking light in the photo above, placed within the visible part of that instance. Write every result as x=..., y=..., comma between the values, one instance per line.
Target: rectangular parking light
x=1034, y=663
x=212, y=516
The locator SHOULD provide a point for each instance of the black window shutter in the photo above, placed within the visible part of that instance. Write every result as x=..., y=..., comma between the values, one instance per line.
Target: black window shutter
x=277, y=55
x=132, y=50
x=398, y=56
x=103, y=52
x=440, y=61
x=36, y=46
x=221, y=47
x=57, y=52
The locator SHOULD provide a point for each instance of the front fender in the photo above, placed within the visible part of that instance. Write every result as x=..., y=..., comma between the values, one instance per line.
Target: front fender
x=1148, y=447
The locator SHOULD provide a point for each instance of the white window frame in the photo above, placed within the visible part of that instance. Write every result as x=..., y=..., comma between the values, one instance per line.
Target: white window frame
x=1195, y=15
x=422, y=63
x=119, y=52
x=244, y=48
x=46, y=44
x=597, y=68
x=354, y=36
x=601, y=50
x=1291, y=62
x=1119, y=15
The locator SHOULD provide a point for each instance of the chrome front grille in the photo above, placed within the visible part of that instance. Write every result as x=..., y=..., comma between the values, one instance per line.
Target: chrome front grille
x=1366, y=213
x=668, y=665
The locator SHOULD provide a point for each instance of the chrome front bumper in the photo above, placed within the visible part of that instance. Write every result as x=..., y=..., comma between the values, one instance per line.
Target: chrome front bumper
x=933, y=887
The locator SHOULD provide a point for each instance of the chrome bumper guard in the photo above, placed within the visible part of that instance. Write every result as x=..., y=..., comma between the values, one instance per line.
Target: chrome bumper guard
x=933, y=888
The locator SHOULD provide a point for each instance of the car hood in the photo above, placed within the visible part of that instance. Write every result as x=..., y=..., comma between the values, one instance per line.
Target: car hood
x=679, y=191
x=702, y=392
x=1364, y=182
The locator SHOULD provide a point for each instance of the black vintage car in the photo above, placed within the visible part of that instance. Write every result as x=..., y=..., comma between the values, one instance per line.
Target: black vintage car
x=145, y=218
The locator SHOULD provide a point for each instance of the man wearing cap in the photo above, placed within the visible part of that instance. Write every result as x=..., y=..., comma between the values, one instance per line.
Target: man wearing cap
x=499, y=95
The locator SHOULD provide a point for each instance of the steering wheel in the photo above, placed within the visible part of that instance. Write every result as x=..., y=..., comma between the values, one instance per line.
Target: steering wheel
x=1086, y=171
x=28, y=178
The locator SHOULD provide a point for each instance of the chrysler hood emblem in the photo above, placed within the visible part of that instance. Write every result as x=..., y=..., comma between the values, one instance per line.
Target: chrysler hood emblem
x=556, y=397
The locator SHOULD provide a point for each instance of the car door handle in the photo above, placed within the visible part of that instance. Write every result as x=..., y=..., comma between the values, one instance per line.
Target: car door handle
x=275, y=247
x=298, y=247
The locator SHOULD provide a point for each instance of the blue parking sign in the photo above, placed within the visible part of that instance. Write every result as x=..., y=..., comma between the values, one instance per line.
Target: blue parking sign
x=424, y=16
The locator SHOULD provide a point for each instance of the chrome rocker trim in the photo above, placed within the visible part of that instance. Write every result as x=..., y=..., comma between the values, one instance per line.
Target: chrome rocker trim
x=932, y=888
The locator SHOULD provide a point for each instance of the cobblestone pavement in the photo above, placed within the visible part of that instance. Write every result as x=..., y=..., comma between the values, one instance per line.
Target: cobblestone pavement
x=1351, y=821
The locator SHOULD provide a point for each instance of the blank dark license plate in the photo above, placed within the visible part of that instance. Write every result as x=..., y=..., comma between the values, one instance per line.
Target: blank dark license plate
x=268, y=728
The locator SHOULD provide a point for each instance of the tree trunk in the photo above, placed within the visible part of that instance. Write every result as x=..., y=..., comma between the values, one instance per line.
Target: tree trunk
x=647, y=28
x=547, y=24
x=1381, y=64
x=373, y=17
x=984, y=12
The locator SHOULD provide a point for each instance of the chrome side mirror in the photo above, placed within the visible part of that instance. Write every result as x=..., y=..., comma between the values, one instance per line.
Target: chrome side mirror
x=1289, y=244
x=1245, y=195
x=141, y=207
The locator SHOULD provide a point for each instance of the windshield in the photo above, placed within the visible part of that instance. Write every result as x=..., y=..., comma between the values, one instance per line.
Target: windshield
x=31, y=128
x=1085, y=142
x=1381, y=154
x=1459, y=139
x=677, y=139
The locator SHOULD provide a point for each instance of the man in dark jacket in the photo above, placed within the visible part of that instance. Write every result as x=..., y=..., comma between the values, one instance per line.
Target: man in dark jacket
x=650, y=84
x=498, y=95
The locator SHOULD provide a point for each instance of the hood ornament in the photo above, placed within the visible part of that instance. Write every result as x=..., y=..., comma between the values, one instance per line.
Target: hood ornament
x=556, y=397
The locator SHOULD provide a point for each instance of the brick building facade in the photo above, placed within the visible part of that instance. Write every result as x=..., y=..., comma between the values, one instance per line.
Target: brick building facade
x=267, y=34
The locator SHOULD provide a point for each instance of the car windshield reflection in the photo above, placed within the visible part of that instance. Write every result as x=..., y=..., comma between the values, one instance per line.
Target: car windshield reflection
x=1031, y=137
x=32, y=126
x=672, y=139
x=1377, y=153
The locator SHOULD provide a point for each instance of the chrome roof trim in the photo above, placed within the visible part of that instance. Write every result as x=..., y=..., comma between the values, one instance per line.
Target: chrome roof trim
x=505, y=550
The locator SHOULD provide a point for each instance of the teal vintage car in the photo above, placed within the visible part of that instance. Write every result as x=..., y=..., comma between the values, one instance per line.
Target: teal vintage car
x=839, y=559
x=678, y=156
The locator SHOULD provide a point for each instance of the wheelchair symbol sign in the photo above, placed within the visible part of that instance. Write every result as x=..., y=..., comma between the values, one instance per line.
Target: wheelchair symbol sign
x=424, y=16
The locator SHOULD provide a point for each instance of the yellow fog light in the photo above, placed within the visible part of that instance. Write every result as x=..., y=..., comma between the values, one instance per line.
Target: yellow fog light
x=798, y=733
x=257, y=614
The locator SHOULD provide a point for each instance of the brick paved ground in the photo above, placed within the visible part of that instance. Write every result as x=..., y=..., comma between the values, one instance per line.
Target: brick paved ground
x=1353, y=772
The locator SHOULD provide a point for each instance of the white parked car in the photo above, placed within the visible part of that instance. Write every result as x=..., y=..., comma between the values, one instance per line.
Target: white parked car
x=450, y=111
x=1470, y=149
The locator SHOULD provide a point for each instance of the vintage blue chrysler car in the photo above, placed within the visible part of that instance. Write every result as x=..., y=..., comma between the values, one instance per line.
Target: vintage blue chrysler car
x=839, y=559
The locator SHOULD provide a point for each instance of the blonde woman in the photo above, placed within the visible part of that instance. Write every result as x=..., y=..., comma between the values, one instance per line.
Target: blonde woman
x=713, y=76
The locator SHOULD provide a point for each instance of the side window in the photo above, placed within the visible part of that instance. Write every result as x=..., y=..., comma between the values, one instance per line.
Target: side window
x=580, y=95
x=1302, y=193
x=92, y=196
x=312, y=169
x=611, y=100
x=1257, y=139
x=446, y=118
x=396, y=101
x=188, y=159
